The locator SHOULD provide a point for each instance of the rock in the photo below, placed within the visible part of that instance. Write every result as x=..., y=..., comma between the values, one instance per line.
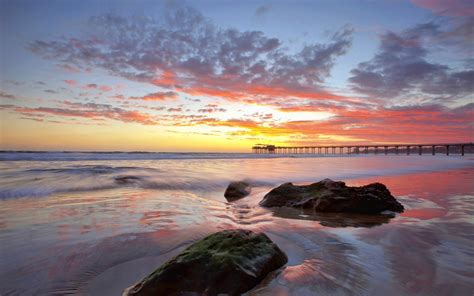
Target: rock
x=331, y=196
x=228, y=262
x=237, y=190
x=126, y=180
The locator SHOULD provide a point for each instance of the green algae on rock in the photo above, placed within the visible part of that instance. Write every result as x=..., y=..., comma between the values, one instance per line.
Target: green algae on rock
x=227, y=262
x=330, y=196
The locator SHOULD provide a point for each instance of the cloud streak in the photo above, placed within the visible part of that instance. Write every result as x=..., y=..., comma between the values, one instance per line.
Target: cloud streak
x=5, y=95
x=157, y=96
x=88, y=111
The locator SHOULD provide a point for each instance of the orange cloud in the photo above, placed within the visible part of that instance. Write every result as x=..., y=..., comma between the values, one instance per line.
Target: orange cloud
x=166, y=79
x=71, y=82
x=157, y=96
x=409, y=124
x=89, y=111
x=234, y=90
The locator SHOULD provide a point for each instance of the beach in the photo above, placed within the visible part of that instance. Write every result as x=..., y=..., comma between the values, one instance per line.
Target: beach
x=96, y=223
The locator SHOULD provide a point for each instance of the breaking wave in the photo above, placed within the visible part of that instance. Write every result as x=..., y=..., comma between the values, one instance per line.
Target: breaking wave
x=41, y=178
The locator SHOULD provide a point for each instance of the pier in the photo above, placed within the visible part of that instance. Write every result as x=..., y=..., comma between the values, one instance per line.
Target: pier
x=446, y=148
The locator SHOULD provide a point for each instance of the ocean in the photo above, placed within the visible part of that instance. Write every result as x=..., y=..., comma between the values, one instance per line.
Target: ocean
x=93, y=223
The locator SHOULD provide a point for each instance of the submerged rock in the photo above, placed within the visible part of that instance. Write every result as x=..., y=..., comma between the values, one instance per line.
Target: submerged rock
x=227, y=262
x=237, y=190
x=330, y=196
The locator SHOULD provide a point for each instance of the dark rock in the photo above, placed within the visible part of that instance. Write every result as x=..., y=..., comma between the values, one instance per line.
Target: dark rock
x=237, y=190
x=126, y=180
x=228, y=262
x=331, y=196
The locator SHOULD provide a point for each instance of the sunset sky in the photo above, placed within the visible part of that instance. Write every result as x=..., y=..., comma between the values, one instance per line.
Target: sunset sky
x=225, y=75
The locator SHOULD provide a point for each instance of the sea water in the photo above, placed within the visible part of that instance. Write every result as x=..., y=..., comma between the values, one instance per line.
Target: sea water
x=95, y=223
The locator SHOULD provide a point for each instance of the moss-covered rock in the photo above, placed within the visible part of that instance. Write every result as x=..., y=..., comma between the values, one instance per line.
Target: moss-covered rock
x=237, y=190
x=330, y=196
x=227, y=262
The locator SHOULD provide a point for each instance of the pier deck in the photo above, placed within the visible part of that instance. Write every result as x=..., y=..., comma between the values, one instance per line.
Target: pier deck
x=446, y=148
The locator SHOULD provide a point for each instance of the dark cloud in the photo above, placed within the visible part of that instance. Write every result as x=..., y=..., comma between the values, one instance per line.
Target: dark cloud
x=192, y=100
x=262, y=116
x=211, y=110
x=161, y=108
x=263, y=9
x=461, y=34
x=401, y=66
x=14, y=82
x=5, y=95
x=33, y=118
x=186, y=52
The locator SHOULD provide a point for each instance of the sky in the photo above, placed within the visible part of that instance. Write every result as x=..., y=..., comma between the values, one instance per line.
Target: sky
x=222, y=76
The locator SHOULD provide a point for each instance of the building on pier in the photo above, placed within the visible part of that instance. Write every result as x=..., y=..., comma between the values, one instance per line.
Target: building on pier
x=263, y=148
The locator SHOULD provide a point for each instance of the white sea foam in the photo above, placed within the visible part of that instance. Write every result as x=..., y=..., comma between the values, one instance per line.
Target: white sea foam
x=187, y=171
